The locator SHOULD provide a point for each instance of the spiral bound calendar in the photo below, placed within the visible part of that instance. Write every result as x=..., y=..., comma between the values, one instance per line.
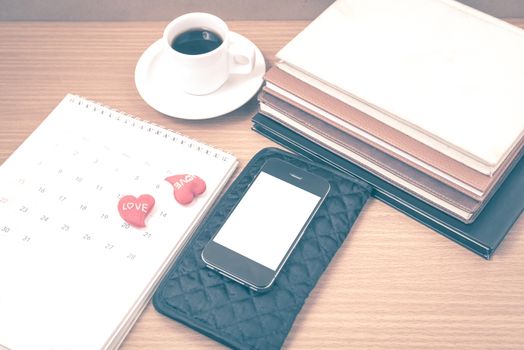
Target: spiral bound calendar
x=73, y=273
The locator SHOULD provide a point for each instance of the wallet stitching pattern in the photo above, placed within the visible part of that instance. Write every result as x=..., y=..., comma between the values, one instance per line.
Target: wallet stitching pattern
x=203, y=299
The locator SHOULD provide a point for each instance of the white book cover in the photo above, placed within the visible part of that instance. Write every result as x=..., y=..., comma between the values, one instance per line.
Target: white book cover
x=435, y=69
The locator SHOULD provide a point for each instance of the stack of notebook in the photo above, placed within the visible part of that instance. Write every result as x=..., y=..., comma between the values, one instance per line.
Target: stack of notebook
x=423, y=99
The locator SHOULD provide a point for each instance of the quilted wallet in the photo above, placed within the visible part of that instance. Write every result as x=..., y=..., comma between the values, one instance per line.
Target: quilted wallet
x=235, y=315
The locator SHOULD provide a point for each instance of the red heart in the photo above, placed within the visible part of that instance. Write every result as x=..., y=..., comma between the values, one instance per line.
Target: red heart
x=186, y=187
x=134, y=210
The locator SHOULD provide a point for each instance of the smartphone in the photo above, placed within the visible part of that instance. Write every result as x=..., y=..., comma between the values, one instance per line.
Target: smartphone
x=266, y=224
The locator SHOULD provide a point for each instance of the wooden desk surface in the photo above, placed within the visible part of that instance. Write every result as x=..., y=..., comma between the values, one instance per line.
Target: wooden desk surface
x=394, y=284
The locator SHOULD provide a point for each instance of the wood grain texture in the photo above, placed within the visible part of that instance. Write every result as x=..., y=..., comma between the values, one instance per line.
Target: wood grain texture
x=394, y=284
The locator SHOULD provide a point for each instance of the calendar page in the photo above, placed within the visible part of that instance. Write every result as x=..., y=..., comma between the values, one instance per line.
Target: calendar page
x=74, y=273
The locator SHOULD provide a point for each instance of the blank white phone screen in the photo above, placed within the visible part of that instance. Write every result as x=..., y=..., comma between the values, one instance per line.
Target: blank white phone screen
x=267, y=220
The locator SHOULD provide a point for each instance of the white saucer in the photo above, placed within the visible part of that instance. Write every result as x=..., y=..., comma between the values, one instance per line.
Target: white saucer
x=162, y=93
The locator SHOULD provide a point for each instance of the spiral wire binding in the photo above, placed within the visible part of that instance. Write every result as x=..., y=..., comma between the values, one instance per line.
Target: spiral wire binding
x=150, y=127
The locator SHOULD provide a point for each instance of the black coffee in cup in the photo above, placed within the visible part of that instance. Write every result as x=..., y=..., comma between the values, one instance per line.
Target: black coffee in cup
x=196, y=41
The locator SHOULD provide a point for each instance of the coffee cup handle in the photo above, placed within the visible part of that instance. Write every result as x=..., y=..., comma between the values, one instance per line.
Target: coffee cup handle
x=241, y=58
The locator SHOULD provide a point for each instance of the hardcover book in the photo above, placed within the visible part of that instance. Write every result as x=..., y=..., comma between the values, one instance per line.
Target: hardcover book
x=391, y=169
x=439, y=71
x=382, y=136
x=482, y=236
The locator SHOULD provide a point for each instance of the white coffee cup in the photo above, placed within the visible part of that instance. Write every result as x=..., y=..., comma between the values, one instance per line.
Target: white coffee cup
x=203, y=73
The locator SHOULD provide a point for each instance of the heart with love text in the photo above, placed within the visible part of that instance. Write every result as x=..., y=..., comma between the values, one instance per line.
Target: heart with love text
x=134, y=210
